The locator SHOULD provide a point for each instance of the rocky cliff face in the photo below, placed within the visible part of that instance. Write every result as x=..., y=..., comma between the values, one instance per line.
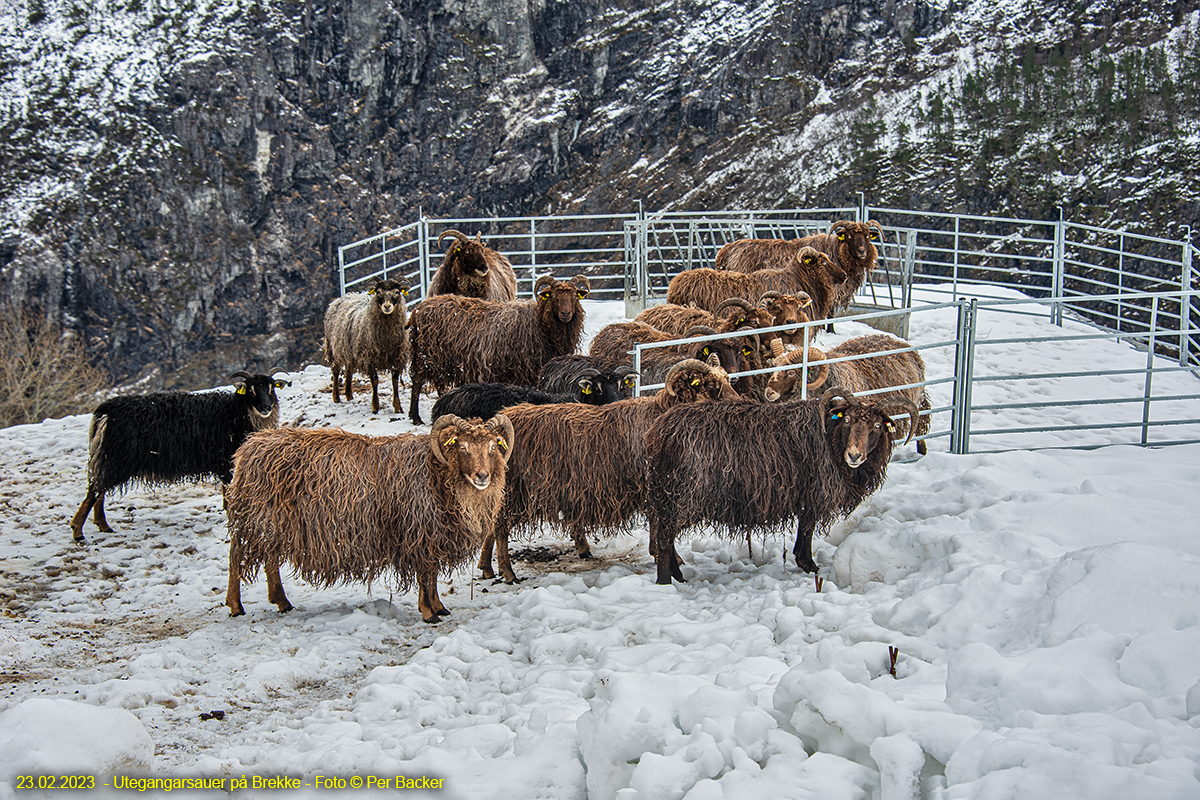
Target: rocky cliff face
x=177, y=176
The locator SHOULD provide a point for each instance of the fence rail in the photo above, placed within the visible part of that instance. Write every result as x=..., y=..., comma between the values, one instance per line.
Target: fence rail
x=1127, y=286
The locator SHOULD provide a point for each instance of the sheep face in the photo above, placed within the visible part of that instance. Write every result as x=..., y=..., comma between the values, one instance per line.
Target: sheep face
x=389, y=295
x=857, y=430
x=559, y=300
x=857, y=239
x=733, y=355
x=692, y=380
x=600, y=388
x=787, y=309
x=468, y=255
x=475, y=453
x=811, y=259
x=784, y=382
x=258, y=393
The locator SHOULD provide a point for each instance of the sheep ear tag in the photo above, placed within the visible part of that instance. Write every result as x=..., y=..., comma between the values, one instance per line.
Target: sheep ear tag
x=581, y=294
x=450, y=441
x=371, y=290
x=500, y=440
x=241, y=390
x=835, y=416
x=695, y=381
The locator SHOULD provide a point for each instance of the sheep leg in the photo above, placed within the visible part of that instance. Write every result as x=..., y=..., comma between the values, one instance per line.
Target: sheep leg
x=428, y=602
x=374, y=376
x=803, y=548
x=336, y=370
x=921, y=448
x=666, y=559
x=396, y=391
x=579, y=536
x=485, y=557
x=275, y=588
x=98, y=514
x=414, y=410
x=81, y=515
x=233, y=595
x=502, y=561
x=349, y=382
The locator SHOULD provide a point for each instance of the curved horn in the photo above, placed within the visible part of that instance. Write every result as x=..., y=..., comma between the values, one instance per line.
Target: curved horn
x=590, y=372
x=741, y=303
x=687, y=363
x=839, y=224
x=435, y=436
x=244, y=375
x=836, y=391
x=507, y=436
x=545, y=280
x=873, y=224
x=777, y=348
x=804, y=299
x=462, y=237
x=907, y=406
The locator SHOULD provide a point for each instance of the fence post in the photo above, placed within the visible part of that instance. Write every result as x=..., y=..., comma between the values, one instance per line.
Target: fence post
x=957, y=226
x=1185, y=301
x=861, y=211
x=533, y=276
x=341, y=271
x=1056, y=289
x=964, y=363
x=908, y=267
x=1149, y=372
x=423, y=254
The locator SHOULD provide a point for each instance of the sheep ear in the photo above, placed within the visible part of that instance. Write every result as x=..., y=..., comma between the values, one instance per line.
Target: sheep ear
x=505, y=429
x=585, y=385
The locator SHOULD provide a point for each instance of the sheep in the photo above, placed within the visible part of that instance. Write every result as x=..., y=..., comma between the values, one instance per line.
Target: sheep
x=849, y=244
x=860, y=375
x=364, y=332
x=580, y=468
x=735, y=354
x=168, y=437
x=484, y=400
x=472, y=269
x=343, y=507
x=672, y=318
x=459, y=340
x=812, y=272
x=582, y=375
x=756, y=466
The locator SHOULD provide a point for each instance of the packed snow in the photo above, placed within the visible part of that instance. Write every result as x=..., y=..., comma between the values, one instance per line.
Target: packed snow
x=1043, y=606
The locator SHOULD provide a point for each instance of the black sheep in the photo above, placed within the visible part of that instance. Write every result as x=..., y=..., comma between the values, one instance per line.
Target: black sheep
x=484, y=400
x=750, y=467
x=585, y=376
x=168, y=437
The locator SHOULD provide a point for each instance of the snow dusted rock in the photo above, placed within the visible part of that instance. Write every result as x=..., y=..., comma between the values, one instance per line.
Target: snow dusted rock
x=45, y=736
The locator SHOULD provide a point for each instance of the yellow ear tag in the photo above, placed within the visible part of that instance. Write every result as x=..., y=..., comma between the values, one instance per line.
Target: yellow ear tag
x=695, y=381
x=581, y=294
x=587, y=390
x=841, y=237
x=450, y=441
x=404, y=292
x=500, y=441
x=371, y=290
x=241, y=390
x=280, y=384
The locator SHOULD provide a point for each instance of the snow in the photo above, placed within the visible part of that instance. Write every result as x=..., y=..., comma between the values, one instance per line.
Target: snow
x=1045, y=606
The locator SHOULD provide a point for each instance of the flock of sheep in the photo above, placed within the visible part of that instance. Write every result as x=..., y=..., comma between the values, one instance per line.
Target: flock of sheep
x=527, y=432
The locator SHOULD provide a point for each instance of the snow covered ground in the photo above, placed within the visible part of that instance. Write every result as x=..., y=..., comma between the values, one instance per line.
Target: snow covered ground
x=1045, y=607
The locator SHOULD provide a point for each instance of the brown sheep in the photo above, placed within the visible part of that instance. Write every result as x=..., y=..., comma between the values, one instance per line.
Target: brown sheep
x=757, y=467
x=811, y=272
x=365, y=332
x=579, y=468
x=472, y=269
x=343, y=507
x=787, y=309
x=672, y=318
x=860, y=375
x=460, y=340
x=849, y=244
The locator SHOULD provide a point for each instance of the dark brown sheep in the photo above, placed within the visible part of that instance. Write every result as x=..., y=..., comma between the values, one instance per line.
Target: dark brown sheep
x=472, y=269
x=365, y=332
x=580, y=468
x=787, y=309
x=343, y=507
x=858, y=376
x=811, y=272
x=757, y=467
x=460, y=340
x=849, y=244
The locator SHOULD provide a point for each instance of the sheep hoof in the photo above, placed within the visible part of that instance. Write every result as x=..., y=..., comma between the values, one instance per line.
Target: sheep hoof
x=806, y=564
x=104, y=528
x=283, y=610
x=434, y=620
x=586, y=554
x=443, y=612
x=486, y=574
x=921, y=448
x=239, y=613
x=79, y=537
x=415, y=419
